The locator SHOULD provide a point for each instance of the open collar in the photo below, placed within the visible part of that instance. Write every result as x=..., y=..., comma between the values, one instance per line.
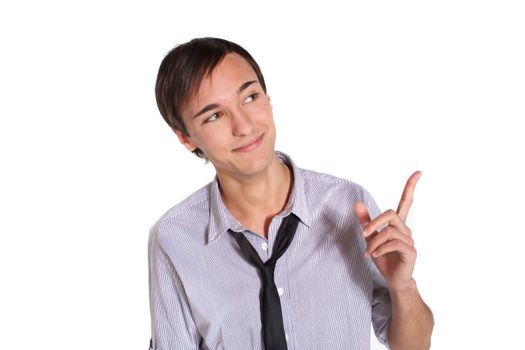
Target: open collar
x=221, y=220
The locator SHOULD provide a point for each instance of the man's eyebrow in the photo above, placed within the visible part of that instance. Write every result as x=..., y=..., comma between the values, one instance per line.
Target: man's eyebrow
x=209, y=107
x=245, y=85
x=206, y=109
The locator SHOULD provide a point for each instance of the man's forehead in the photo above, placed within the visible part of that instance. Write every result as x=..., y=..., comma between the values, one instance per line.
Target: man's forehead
x=232, y=68
x=225, y=78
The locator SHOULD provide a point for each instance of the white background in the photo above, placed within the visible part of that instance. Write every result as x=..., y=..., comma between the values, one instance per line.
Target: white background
x=369, y=91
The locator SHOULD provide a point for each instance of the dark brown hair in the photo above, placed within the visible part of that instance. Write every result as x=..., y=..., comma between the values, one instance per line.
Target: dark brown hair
x=182, y=71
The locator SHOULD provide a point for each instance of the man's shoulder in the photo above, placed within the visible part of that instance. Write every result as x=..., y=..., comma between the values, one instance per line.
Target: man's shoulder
x=326, y=182
x=334, y=193
x=194, y=206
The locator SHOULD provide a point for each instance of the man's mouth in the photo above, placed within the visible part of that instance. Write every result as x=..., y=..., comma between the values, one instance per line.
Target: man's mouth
x=249, y=146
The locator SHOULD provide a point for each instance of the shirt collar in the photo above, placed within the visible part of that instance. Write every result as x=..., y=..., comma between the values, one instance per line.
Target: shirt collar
x=221, y=219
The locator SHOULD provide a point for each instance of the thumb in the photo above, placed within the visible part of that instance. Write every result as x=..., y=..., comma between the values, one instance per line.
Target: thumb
x=361, y=212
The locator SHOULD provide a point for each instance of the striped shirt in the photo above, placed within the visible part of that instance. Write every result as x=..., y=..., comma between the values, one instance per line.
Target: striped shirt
x=204, y=294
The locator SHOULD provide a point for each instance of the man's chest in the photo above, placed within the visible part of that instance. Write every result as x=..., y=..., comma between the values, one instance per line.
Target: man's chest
x=319, y=278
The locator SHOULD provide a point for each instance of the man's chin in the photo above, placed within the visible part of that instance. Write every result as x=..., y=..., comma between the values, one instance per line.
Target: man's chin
x=248, y=166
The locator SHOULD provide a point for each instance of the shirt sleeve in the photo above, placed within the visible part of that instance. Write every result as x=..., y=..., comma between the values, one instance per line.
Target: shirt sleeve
x=172, y=325
x=381, y=304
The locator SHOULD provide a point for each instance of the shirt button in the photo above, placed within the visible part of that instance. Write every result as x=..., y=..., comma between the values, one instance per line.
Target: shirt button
x=264, y=246
x=280, y=291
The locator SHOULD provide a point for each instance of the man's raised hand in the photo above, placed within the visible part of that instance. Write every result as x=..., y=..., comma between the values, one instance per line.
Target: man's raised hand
x=391, y=248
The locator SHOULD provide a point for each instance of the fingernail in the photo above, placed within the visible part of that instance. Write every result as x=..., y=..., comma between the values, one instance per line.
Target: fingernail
x=364, y=232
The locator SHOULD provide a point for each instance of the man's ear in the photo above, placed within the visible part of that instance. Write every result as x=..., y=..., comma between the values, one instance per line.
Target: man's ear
x=185, y=140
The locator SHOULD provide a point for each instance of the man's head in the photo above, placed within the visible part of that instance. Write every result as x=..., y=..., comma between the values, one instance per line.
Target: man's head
x=182, y=72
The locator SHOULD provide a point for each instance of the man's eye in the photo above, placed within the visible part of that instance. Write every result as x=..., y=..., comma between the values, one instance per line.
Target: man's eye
x=250, y=98
x=212, y=117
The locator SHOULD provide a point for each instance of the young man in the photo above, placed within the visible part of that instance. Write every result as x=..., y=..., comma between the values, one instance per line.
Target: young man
x=269, y=255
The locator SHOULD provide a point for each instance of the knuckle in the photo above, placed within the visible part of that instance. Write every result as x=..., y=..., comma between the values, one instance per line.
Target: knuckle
x=387, y=233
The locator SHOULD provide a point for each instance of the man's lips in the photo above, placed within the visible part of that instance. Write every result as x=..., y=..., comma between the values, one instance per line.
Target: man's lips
x=250, y=145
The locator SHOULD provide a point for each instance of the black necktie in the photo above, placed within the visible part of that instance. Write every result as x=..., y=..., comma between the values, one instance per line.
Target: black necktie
x=271, y=313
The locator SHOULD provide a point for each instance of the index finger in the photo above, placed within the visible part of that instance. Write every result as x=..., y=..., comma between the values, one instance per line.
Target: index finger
x=407, y=196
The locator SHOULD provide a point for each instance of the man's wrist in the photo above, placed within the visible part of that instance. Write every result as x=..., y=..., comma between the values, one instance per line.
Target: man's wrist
x=409, y=289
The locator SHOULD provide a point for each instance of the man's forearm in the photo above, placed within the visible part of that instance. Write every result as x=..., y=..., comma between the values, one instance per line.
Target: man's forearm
x=412, y=321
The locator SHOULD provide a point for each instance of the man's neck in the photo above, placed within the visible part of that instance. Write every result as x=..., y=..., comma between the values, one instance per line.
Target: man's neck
x=255, y=201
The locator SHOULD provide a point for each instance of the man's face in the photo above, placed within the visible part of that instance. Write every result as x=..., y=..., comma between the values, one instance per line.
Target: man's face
x=230, y=119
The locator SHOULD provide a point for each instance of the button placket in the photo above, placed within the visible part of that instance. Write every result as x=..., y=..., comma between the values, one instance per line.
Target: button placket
x=272, y=234
x=257, y=242
x=261, y=246
x=281, y=282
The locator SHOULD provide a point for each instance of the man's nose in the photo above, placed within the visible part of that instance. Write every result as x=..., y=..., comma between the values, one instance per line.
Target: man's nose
x=242, y=124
